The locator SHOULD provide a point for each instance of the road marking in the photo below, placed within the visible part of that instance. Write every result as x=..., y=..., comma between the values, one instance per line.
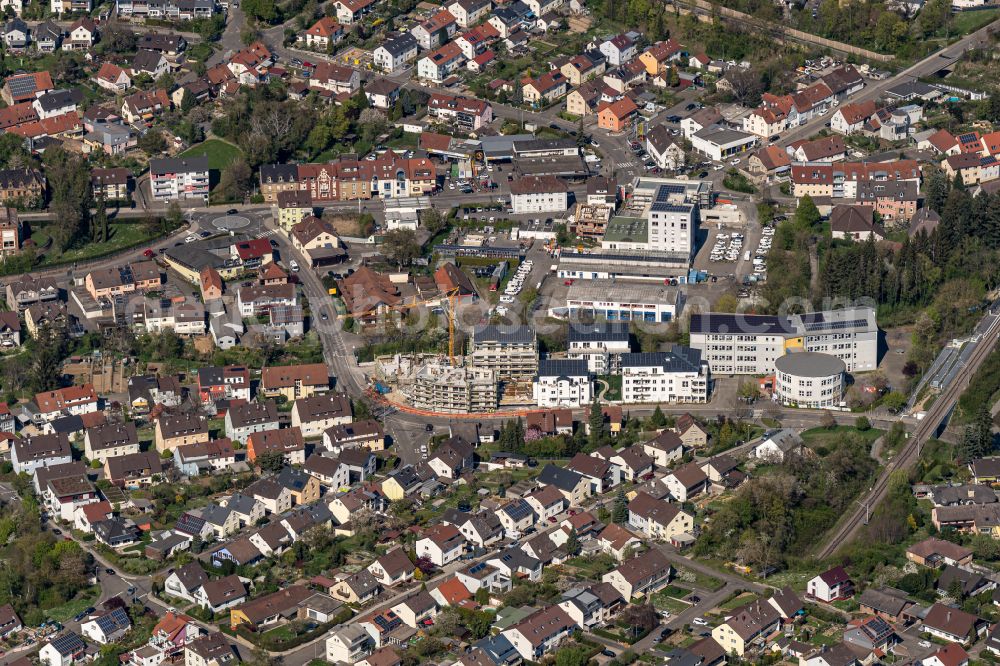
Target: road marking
x=625, y=165
x=266, y=233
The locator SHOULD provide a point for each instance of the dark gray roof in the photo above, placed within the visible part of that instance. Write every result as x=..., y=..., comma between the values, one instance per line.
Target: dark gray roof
x=560, y=477
x=599, y=332
x=678, y=359
x=810, y=364
x=194, y=164
x=563, y=368
x=720, y=322
x=56, y=99
x=146, y=60
x=506, y=334
x=399, y=44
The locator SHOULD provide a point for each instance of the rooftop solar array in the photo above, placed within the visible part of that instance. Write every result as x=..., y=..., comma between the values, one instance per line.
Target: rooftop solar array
x=669, y=208
x=21, y=86
x=518, y=510
x=835, y=325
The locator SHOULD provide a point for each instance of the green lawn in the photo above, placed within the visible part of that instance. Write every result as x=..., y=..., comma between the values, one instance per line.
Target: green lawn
x=71, y=609
x=829, y=438
x=122, y=236
x=965, y=22
x=220, y=153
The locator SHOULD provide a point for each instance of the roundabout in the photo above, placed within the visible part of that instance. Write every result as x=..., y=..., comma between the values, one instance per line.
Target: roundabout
x=231, y=222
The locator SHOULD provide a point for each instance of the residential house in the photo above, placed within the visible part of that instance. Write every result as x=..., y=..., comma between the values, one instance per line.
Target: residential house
x=747, y=627
x=657, y=518
x=686, y=481
x=641, y=575
x=174, y=430
x=441, y=544
x=540, y=633
x=287, y=441
x=295, y=381
x=831, y=585
x=316, y=414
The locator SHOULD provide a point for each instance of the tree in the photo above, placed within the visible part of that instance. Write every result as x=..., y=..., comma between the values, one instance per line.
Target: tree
x=827, y=421
x=271, y=461
x=748, y=390
x=726, y=303
x=70, y=198
x=236, y=181
x=46, y=362
x=260, y=9
x=894, y=401
x=400, y=246
x=174, y=217
x=936, y=190
x=432, y=220
x=117, y=37
x=573, y=543
x=807, y=214
x=658, y=419
x=100, y=224
x=745, y=84
x=152, y=142
x=595, y=423
x=862, y=423
x=619, y=513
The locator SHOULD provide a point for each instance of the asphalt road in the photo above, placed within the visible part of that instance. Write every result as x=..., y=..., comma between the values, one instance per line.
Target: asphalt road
x=873, y=90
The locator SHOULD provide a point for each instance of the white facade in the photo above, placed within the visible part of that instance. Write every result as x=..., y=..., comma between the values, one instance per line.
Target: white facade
x=540, y=202
x=809, y=380
x=563, y=384
x=751, y=344
x=663, y=378
x=720, y=144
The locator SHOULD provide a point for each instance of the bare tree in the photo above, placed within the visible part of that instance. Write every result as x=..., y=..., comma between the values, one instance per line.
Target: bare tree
x=745, y=85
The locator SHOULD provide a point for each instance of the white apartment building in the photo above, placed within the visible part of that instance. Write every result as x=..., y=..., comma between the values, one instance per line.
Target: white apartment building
x=539, y=194
x=738, y=344
x=179, y=178
x=600, y=345
x=679, y=375
x=563, y=383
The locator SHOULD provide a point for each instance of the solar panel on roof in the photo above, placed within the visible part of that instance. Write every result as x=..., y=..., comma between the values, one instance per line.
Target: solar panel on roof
x=967, y=138
x=836, y=325
x=22, y=86
x=476, y=568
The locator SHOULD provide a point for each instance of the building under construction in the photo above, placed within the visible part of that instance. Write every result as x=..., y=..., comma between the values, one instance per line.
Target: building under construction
x=439, y=387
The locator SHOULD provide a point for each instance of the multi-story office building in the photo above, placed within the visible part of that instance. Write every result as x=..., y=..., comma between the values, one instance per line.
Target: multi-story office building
x=750, y=344
x=510, y=351
x=662, y=215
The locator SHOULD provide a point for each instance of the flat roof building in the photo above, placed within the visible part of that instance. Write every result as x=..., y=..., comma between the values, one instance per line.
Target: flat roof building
x=741, y=344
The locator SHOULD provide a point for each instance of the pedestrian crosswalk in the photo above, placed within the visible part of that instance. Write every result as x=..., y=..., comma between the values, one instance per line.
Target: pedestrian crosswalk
x=266, y=232
x=625, y=165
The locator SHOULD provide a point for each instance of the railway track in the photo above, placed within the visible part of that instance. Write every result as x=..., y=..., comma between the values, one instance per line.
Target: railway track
x=910, y=452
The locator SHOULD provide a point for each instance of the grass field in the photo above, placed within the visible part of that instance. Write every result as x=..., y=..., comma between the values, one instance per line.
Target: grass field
x=220, y=153
x=815, y=438
x=965, y=22
x=70, y=609
x=122, y=236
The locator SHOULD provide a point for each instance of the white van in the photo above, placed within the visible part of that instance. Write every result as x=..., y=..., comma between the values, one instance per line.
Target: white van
x=746, y=256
